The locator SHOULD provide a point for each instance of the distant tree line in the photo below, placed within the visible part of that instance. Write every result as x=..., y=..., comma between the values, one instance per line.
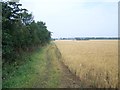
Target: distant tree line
x=96, y=38
x=88, y=38
x=20, y=32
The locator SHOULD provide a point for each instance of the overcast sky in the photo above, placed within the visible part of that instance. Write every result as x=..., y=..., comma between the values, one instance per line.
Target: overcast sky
x=76, y=18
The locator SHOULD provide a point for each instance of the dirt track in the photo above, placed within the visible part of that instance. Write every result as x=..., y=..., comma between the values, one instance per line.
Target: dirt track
x=55, y=74
x=68, y=80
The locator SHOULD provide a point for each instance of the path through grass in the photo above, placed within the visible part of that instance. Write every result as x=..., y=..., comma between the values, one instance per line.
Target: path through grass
x=43, y=69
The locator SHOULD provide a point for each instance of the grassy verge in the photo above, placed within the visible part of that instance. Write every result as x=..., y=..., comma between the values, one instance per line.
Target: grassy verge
x=20, y=73
x=38, y=71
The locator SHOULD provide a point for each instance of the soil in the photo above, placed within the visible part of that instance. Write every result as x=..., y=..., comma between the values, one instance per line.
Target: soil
x=68, y=79
x=56, y=71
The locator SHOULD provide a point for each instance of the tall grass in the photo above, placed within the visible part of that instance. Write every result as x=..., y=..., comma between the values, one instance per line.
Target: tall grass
x=21, y=72
x=94, y=62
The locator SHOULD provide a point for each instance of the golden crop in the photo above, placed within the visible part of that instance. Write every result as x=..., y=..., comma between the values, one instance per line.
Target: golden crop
x=95, y=62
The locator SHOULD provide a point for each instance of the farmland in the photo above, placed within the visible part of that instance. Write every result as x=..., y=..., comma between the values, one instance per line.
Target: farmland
x=95, y=62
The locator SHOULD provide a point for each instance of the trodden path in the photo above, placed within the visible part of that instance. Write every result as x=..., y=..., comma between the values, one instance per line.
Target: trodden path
x=68, y=79
x=55, y=74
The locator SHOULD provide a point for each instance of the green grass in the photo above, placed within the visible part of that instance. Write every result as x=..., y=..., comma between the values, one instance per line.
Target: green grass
x=20, y=73
x=37, y=71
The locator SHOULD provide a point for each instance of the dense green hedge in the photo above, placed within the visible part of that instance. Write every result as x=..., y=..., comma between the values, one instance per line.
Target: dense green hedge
x=20, y=31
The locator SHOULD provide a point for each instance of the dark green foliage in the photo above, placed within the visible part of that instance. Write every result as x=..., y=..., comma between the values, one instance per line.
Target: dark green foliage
x=20, y=32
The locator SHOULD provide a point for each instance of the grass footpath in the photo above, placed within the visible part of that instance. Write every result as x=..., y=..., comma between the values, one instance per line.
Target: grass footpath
x=39, y=71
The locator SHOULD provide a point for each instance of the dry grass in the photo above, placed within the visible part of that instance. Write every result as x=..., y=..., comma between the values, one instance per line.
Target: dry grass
x=95, y=62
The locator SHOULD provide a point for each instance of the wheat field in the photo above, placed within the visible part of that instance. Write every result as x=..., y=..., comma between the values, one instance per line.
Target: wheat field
x=95, y=62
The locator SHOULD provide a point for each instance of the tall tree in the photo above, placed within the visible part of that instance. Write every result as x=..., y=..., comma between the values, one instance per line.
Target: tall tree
x=20, y=31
